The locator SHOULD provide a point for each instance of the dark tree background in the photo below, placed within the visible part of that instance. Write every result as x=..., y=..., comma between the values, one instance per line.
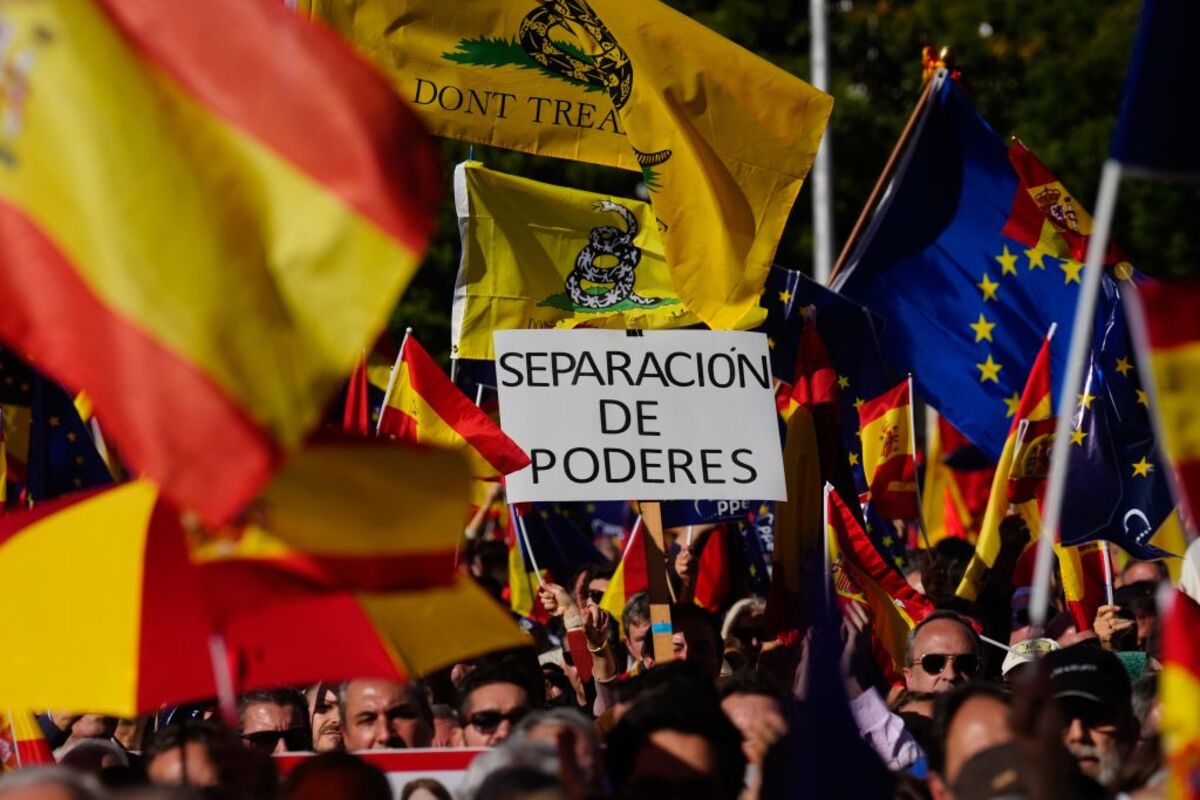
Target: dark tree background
x=1048, y=72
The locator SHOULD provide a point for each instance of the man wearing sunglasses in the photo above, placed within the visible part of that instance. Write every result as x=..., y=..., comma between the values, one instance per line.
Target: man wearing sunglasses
x=274, y=721
x=495, y=697
x=943, y=652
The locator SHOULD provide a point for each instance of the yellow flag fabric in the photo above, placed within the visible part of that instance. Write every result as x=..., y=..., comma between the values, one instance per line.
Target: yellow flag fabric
x=541, y=256
x=724, y=139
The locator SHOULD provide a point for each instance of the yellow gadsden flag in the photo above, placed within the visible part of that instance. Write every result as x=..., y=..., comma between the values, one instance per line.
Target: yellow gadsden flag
x=542, y=256
x=723, y=138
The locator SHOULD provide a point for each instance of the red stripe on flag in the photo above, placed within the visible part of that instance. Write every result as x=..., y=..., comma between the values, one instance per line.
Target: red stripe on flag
x=1179, y=644
x=173, y=663
x=873, y=409
x=301, y=91
x=1171, y=317
x=857, y=546
x=155, y=404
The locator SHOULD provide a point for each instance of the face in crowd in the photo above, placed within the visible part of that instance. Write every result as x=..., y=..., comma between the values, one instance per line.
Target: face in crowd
x=324, y=716
x=943, y=653
x=274, y=726
x=490, y=712
x=383, y=713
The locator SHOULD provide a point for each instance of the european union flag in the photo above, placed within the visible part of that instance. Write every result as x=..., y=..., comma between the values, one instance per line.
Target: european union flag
x=16, y=380
x=966, y=307
x=62, y=455
x=1114, y=454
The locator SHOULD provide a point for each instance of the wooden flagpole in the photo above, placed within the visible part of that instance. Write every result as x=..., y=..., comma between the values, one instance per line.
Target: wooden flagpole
x=658, y=586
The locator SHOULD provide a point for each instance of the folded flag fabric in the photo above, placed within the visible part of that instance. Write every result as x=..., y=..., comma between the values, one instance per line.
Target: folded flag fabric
x=356, y=537
x=1179, y=698
x=630, y=577
x=559, y=549
x=292, y=208
x=1082, y=571
x=424, y=407
x=538, y=256
x=887, y=451
x=1172, y=332
x=861, y=574
x=62, y=454
x=723, y=151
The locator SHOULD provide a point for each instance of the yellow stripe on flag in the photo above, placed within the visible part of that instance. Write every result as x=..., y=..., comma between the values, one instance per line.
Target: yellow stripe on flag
x=104, y=536
x=1177, y=383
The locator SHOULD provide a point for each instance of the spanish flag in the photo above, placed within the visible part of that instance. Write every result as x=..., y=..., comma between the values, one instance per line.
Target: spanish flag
x=723, y=138
x=21, y=741
x=354, y=538
x=1082, y=571
x=206, y=209
x=630, y=577
x=815, y=381
x=862, y=575
x=887, y=450
x=1033, y=409
x=1179, y=698
x=424, y=407
x=538, y=256
x=1172, y=329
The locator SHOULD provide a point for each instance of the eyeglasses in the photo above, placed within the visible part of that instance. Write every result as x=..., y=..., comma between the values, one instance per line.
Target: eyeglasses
x=293, y=739
x=488, y=721
x=934, y=663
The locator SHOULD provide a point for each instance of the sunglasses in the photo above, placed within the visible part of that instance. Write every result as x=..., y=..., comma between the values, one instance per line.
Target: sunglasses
x=293, y=739
x=488, y=721
x=595, y=595
x=934, y=663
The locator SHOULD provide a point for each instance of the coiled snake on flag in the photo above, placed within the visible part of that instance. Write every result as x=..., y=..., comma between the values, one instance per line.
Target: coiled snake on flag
x=609, y=69
x=606, y=240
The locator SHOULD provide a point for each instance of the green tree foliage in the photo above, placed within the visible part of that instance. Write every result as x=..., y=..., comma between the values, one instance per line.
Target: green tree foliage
x=1048, y=72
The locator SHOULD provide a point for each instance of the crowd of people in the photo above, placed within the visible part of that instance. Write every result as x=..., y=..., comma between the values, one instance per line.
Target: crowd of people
x=985, y=707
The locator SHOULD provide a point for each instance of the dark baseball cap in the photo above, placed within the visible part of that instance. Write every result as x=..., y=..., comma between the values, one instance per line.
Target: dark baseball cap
x=1084, y=672
x=997, y=773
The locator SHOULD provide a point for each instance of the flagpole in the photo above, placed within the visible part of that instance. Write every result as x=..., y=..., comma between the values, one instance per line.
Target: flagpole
x=1108, y=572
x=822, y=177
x=520, y=526
x=1081, y=336
x=885, y=177
x=223, y=678
x=387, y=395
x=826, y=492
x=912, y=446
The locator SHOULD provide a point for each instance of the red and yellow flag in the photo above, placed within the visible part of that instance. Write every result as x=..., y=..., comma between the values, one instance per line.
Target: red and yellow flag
x=630, y=577
x=21, y=742
x=1083, y=579
x=1179, y=698
x=1035, y=407
x=1173, y=333
x=860, y=574
x=815, y=381
x=424, y=407
x=148, y=621
x=202, y=237
x=887, y=450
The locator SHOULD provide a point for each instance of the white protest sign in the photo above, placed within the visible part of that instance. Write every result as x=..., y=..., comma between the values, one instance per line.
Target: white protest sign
x=660, y=415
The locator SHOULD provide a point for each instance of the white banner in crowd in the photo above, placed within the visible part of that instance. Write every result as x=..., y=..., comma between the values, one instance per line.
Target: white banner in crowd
x=654, y=415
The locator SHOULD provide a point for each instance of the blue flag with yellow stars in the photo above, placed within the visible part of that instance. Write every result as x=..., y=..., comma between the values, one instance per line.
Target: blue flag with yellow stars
x=968, y=286
x=62, y=455
x=1114, y=454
